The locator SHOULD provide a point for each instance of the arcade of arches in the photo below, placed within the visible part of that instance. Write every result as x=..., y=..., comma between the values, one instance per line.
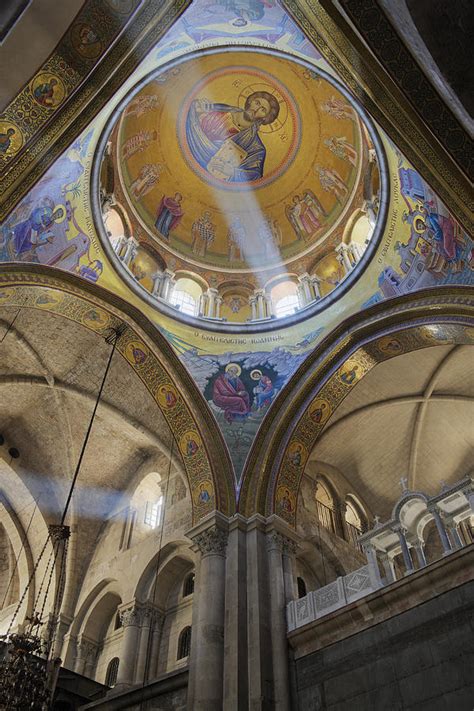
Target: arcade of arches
x=236, y=349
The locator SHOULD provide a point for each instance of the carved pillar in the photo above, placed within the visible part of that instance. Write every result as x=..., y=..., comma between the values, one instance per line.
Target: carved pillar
x=130, y=251
x=144, y=618
x=315, y=282
x=260, y=297
x=441, y=529
x=218, y=306
x=86, y=651
x=305, y=291
x=208, y=623
x=275, y=546
x=454, y=536
x=388, y=567
x=269, y=310
x=253, y=307
x=203, y=304
x=343, y=257
x=130, y=618
x=417, y=546
x=212, y=295
x=157, y=621
x=120, y=246
x=374, y=572
x=400, y=531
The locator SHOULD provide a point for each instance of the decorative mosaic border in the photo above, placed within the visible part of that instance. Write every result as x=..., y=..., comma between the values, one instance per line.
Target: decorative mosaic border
x=383, y=40
x=375, y=90
x=211, y=487
x=53, y=132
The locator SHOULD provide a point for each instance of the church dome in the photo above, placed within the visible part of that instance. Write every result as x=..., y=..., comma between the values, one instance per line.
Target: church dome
x=247, y=181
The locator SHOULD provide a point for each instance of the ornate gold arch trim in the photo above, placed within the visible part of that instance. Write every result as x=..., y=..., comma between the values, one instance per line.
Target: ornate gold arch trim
x=376, y=90
x=198, y=439
x=298, y=416
x=83, y=86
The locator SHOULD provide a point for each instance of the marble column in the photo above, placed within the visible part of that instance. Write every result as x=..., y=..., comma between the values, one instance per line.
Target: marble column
x=157, y=621
x=374, y=572
x=208, y=628
x=203, y=304
x=289, y=570
x=454, y=536
x=343, y=257
x=281, y=684
x=405, y=550
x=315, y=283
x=269, y=305
x=260, y=297
x=388, y=567
x=236, y=651
x=212, y=295
x=441, y=529
x=130, y=251
x=218, y=306
x=305, y=289
x=253, y=307
x=417, y=544
x=85, y=651
x=145, y=615
x=130, y=618
x=119, y=246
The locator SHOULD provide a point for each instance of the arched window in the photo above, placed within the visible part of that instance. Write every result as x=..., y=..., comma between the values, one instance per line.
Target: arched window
x=287, y=305
x=185, y=296
x=325, y=506
x=285, y=298
x=154, y=513
x=112, y=671
x=354, y=522
x=188, y=587
x=184, y=302
x=301, y=587
x=184, y=643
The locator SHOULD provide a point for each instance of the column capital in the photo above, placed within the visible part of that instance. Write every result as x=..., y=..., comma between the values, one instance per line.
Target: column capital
x=130, y=614
x=212, y=541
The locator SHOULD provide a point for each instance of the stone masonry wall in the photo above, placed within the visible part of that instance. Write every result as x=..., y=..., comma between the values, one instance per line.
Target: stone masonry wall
x=419, y=660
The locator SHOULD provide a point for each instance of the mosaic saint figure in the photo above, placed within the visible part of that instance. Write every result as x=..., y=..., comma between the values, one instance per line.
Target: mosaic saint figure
x=331, y=182
x=44, y=93
x=225, y=139
x=147, y=177
x=340, y=146
x=35, y=231
x=6, y=140
x=269, y=237
x=203, y=234
x=169, y=214
x=138, y=143
x=142, y=104
x=337, y=108
x=235, y=240
x=229, y=393
x=263, y=390
x=304, y=214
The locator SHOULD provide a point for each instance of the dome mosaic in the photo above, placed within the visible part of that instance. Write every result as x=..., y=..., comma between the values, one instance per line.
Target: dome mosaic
x=247, y=181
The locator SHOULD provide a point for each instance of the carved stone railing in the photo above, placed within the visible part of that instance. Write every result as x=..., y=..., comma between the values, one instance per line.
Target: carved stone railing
x=319, y=603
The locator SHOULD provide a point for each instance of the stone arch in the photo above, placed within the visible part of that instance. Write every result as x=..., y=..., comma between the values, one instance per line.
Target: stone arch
x=277, y=460
x=207, y=463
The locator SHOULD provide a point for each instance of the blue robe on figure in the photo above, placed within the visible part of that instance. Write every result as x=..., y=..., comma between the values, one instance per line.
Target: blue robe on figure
x=208, y=132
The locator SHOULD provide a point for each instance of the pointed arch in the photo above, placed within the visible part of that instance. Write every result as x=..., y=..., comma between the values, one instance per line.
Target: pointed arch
x=298, y=416
x=198, y=439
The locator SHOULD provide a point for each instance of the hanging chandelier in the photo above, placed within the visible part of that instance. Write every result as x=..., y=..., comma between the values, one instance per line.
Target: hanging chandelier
x=28, y=671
